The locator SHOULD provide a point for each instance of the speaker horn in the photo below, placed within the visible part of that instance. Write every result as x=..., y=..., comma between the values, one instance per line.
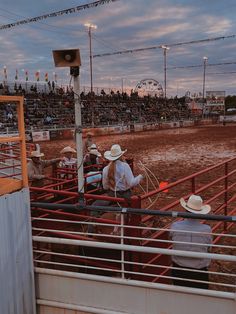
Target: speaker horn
x=66, y=58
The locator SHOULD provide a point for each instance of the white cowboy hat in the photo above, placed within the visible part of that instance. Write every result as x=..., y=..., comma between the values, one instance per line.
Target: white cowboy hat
x=93, y=146
x=114, y=153
x=94, y=151
x=36, y=153
x=89, y=134
x=67, y=149
x=195, y=205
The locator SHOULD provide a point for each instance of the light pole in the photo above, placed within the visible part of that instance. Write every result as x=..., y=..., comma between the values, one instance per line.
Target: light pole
x=90, y=27
x=165, y=48
x=71, y=58
x=5, y=75
x=204, y=76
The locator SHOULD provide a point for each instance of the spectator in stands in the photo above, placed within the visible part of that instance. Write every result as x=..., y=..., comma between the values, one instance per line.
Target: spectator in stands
x=118, y=178
x=191, y=235
x=36, y=168
x=88, y=142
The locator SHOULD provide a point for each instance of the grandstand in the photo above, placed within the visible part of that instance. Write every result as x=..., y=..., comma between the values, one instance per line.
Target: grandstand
x=46, y=108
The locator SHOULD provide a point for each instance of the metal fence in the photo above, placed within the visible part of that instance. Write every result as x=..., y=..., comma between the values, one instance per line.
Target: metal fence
x=108, y=246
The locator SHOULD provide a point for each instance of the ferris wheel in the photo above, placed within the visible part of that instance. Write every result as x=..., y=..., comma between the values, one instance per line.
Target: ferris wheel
x=149, y=87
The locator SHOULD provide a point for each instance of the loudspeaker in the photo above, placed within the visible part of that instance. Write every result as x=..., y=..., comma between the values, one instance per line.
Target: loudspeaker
x=66, y=58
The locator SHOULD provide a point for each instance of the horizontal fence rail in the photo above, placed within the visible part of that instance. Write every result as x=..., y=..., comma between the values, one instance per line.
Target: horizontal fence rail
x=102, y=246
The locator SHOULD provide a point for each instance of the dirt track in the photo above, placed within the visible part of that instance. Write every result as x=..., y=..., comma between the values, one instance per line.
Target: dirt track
x=170, y=154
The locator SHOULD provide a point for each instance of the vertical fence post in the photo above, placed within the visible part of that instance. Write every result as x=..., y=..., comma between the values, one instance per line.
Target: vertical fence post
x=133, y=233
x=122, y=242
x=226, y=194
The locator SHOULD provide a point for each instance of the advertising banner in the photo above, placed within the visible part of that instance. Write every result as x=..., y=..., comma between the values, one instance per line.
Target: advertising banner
x=40, y=136
x=215, y=98
x=215, y=102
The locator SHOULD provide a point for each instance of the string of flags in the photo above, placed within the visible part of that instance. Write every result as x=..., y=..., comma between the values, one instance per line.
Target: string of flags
x=17, y=77
x=58, y=13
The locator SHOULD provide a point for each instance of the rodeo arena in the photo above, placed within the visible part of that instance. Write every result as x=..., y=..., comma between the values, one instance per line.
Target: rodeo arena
x=116, y=200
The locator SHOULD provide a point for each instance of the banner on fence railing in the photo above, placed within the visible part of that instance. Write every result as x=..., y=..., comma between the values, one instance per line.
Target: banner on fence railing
x=40, y=136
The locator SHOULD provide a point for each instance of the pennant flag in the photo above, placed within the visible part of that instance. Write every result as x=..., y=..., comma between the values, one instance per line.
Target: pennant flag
x=5, y=73
x=16, y=76
x=46, y=77
x=37, y=76
x=26, y=76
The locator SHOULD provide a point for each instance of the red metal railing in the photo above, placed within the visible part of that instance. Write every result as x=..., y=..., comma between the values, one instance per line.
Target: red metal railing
x=215, y=184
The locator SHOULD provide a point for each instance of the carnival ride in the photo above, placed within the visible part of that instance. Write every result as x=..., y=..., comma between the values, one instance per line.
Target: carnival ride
x=149, y=87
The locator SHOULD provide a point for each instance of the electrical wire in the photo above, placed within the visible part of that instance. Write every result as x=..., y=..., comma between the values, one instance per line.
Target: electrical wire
x=201, y=65
x=161, y=46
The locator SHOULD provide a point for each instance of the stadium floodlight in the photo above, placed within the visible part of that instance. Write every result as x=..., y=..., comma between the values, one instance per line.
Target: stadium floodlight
x=90, y=27
x=71, y=58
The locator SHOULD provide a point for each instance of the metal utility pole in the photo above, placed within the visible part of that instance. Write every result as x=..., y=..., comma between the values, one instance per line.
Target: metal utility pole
x=90, y=27
x=165, y=48
x=204, y=76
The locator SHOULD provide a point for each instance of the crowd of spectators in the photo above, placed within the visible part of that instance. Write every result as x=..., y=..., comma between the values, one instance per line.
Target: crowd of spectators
x=53, y=106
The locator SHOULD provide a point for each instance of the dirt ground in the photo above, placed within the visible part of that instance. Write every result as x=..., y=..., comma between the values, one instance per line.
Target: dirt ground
x=171, y=154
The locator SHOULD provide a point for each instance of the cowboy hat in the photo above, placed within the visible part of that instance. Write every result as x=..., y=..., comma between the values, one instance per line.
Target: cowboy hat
x=93, y=146
x=89, y=134
x=114, y=153
x=94, y=151
x=67, y=149
x=36, y=154
x=195, y=205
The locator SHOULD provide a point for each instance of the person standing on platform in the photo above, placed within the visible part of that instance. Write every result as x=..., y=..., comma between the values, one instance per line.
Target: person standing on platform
x=191, y=235
x=36, y=167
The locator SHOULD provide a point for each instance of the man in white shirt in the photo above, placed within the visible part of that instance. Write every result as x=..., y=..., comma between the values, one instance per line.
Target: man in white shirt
x=191, y=235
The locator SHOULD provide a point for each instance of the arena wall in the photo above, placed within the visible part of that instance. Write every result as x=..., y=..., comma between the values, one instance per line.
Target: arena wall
x=57, y=134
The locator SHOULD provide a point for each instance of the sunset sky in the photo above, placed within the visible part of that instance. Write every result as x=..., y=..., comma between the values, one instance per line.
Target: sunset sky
x=125, y=25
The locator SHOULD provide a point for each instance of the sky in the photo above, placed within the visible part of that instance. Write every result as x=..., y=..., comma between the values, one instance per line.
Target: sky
x=125, y=25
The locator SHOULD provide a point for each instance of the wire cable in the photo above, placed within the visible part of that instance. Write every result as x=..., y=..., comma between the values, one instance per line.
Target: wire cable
x=55, y=14
x=161, y=46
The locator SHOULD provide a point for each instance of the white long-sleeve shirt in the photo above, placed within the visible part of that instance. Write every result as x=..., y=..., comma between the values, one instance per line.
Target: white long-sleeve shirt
x=124, y=177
